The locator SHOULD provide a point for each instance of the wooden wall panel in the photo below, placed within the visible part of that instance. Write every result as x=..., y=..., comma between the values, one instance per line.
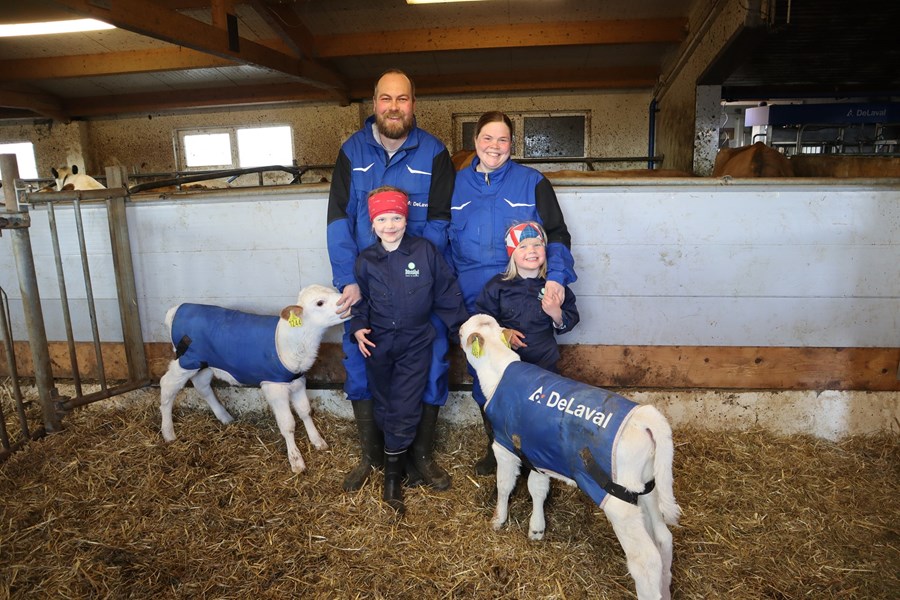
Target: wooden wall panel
x=658, y=367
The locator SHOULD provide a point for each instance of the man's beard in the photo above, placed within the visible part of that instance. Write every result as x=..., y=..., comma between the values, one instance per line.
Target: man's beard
x=391, y=129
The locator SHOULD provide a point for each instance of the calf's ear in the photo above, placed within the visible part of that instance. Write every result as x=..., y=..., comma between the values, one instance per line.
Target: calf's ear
x=476, y=343
x=506, y=334
x=293, y=315
x=54, y=172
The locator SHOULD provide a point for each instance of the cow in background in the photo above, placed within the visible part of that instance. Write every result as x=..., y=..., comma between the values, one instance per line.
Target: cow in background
x=70, y=179
x=757, y=160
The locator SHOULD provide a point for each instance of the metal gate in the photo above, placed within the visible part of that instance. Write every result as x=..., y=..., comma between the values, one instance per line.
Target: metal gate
x=16, y=222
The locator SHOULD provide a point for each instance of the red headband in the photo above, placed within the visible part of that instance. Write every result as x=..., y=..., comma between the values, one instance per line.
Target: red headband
x=388, y=201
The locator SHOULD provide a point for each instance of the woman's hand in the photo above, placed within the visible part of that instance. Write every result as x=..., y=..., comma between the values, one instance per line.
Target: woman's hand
x=362, y=341
x=559, y=289
x=551, y=303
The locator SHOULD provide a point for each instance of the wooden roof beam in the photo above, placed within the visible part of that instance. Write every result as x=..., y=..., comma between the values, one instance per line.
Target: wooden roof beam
x=112, y=63
x=637, y=31
x=284, y=21
x=149, y=19
x=23, y=97
x=167, y=101
x=637, y=77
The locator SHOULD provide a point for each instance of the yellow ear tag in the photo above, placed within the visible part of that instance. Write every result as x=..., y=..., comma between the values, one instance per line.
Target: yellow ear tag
x=295, y=320
x=476, y=348
x=505, y=340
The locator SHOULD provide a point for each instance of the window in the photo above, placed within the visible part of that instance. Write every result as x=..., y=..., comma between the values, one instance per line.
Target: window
x=24, y=152
x=233, y=147
x=535, y=135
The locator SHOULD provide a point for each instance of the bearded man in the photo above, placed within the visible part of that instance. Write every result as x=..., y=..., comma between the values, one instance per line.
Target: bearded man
x=390, y=150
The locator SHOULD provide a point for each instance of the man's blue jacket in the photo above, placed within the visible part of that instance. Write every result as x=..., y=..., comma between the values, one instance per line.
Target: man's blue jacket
x=421, y=168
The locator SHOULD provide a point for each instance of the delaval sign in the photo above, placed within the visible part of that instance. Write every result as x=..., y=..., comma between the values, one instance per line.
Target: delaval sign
x=823, y=114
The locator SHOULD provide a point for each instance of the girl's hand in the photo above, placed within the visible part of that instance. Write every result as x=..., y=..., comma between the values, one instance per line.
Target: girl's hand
x=363, y=341
x=552, y=303
x=515, y=339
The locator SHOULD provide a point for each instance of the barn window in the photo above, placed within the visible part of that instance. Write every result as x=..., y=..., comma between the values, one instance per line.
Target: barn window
x=234, y=147
x=24, y=152
x=535, y=135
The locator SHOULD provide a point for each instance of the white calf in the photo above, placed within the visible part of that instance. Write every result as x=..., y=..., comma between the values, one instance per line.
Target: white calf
x=71, y=179
x=221, y=346
x=642, y=453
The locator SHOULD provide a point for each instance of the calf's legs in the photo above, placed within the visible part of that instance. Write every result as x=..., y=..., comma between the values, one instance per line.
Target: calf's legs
x=169, y=385
x=507, y=473
x=278, y=397
x=538, y=487
x=300, y=402
x=645, y=563
x=201, y=382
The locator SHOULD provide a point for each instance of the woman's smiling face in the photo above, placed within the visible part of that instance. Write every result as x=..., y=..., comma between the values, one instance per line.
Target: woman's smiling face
x=492, y=145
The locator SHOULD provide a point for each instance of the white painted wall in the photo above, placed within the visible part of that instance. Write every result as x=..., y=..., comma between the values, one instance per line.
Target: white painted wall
x=672, y=263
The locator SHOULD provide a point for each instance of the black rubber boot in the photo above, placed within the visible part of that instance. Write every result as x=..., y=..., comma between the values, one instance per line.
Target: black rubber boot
x=413, y=477
x=394, y=464
x=371, y=444
x=421, y=451
x=487, y=465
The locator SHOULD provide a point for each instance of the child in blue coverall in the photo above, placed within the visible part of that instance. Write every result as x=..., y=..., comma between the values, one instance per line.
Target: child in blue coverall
x=403, y=279
x=518, y=300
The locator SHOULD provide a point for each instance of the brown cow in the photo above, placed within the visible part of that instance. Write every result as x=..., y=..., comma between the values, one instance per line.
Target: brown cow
x=614, y=174
x=757, y=160
x=462, y=159
x=843, y=166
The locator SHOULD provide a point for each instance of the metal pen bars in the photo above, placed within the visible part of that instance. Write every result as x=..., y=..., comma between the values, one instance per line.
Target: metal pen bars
x=53, y=406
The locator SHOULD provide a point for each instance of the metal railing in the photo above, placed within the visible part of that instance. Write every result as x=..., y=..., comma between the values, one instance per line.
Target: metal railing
x=17, y=221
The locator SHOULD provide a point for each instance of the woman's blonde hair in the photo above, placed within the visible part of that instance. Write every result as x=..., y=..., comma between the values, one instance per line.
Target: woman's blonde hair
x=512, y=271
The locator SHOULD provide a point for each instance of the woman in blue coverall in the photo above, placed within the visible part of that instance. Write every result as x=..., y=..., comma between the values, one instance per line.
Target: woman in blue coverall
x=403, y=279
x=520, y=301
x=491, y=195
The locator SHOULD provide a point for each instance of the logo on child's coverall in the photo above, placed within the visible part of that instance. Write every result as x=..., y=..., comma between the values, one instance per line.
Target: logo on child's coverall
x=411, y=270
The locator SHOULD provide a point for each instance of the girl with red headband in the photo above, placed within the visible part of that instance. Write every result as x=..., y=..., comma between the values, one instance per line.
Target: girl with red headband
x=403, y=280
x=521, y=301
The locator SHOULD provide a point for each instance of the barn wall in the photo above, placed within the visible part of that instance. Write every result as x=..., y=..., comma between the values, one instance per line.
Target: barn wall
x=681, y=283
x=144, y=144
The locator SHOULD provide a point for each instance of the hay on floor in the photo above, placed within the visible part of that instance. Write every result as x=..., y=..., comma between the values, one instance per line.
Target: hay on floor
x=107, y=509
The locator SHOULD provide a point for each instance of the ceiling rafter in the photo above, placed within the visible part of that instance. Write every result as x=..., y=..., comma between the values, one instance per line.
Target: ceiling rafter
x=150, y=103
x=283, y=20
x=109, y=63
x=637, y=31
x=526, y=80
x=21, y=96
x=152, y=20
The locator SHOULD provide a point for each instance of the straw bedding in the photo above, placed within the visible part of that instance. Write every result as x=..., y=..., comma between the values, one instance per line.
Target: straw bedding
x=106, y=509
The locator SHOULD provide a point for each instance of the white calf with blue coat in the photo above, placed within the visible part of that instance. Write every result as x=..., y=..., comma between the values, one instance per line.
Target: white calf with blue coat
x=272, y=352
x=618, y=452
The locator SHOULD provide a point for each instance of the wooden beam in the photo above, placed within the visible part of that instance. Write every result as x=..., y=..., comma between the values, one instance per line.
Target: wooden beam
x=150, y=19
x=184, y=99
x=656, y=367
x=113, y=63
x=42, y=103
x=638, y=77
x=285, y=21
x=525, y=35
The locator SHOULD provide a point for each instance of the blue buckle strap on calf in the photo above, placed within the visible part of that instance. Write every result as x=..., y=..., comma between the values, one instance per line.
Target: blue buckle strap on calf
x=603, y=480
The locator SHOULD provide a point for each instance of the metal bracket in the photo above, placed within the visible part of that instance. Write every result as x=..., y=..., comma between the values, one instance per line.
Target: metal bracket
x=14, y=221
